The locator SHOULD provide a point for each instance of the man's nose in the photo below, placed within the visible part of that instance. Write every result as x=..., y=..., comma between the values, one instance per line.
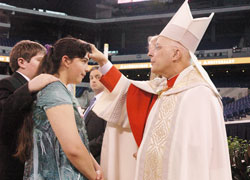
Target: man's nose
x=150, y=54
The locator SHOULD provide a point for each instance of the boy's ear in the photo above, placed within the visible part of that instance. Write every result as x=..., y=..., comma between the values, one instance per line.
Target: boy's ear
x=21, y=63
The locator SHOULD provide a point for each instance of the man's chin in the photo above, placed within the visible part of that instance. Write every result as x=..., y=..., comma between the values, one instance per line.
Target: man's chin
x=154, y=70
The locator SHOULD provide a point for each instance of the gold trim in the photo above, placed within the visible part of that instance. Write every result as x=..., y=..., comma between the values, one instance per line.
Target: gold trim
x=155, y=152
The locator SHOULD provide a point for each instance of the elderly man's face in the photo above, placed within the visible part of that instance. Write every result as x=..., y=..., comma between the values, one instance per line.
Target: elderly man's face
x=161, y=59
x=151, y=46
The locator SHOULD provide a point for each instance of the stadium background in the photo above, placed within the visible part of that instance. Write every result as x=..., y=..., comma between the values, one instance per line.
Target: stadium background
x=224, y=51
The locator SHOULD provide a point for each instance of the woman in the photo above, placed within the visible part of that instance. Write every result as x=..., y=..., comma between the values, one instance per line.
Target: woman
x=60, y=148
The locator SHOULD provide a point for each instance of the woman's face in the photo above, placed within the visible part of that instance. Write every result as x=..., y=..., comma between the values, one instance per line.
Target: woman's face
x=78, y=69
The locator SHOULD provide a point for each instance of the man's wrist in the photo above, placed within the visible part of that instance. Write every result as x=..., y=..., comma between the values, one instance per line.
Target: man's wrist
x=105, y=68
x=103, y=62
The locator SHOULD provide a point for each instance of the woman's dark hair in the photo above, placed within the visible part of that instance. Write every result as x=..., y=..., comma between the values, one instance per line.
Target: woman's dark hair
x=25, y=138
x=69, y=46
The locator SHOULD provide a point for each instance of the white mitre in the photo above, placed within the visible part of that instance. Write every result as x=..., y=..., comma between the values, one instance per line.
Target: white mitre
x=185, y=29
x=188, y=31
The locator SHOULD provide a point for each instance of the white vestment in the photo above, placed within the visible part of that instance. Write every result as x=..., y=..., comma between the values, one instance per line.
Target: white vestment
x=117, y=159
x=184, y=137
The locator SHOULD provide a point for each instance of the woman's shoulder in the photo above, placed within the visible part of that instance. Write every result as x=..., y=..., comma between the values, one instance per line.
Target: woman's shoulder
x=54, y=88
x=54, y=92
x=56, y=84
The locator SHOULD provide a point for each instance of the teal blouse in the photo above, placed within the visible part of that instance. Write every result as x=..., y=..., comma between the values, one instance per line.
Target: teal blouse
x=48, y=161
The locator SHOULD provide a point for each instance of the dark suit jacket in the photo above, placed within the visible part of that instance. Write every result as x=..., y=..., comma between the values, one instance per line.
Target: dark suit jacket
x=15, y=102
x=95, y=128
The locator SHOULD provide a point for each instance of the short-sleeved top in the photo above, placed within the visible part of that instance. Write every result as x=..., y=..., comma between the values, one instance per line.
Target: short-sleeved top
x=48, y=161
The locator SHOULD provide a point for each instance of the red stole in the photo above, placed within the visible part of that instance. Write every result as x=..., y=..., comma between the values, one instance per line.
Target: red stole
x=171, y=81
x=139, y=102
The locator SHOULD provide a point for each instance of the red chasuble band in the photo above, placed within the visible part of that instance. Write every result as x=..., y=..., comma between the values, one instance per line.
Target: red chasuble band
x=139, y=104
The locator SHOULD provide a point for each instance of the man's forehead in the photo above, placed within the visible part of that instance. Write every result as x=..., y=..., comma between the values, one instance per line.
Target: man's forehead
x=166, y=41
x=162, y=39
x=95, y=71
x=153, y=39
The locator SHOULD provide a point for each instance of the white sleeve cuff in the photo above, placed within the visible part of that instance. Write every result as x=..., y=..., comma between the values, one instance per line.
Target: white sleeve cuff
x=105, y=68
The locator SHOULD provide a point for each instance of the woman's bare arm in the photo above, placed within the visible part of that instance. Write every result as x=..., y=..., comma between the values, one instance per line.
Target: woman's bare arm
x=63, y=123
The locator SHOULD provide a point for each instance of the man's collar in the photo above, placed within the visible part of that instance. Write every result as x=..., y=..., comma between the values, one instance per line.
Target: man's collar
x=28, y=79
x=171, y=81
x=98, y=95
